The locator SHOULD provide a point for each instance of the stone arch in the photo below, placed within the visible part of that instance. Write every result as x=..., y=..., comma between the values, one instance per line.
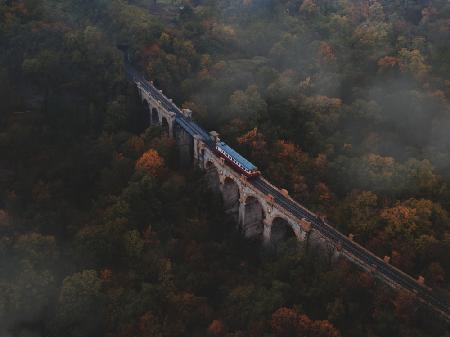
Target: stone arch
x=144, y=118
x=253, y=219
x=231, y=196
x=281, y=230
x=185, y=145
x=212, y=177
x=154, y=116
x=165, y=125
x=202, y=155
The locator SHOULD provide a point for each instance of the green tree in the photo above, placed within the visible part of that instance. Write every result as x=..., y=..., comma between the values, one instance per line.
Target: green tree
x=80, y=305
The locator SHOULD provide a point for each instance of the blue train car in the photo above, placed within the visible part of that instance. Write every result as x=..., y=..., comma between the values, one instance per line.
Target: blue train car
x=236, y=160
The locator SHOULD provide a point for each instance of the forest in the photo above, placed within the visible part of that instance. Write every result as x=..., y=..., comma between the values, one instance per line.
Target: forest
x=345, y=103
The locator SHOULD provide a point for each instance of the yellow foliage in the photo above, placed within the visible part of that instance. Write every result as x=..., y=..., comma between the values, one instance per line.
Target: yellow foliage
x=413, y=62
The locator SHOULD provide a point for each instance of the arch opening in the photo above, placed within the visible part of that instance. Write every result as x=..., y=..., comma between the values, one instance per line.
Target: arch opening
x=253, y=221
x=185, y=145
x=165, y=126
x=231, y=195
x=212, y=177
x=202, y=155
x=281, y=231
x=154, y=116
x=143, y=118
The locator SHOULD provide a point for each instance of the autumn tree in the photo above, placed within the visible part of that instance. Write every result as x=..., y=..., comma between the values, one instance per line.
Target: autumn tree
x=80, y=303
x=150, y=162
x=289, y=323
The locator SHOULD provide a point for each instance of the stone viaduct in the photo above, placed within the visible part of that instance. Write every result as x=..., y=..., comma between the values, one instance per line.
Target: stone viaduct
x=257, y=215
x=263, y=211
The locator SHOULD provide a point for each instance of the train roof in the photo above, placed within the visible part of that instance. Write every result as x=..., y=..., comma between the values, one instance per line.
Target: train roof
x=244, y=162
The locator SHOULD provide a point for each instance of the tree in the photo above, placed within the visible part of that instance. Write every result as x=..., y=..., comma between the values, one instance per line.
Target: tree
x=80, y=304
x=248, y=105
x=289, y=323
x=26, y=296
x=116, y=115
x=413, y=62
x=216, y=328
x=134, y=244
x=359, y=214
x=413, y=218
x=150, y=325
x=36, y=249
x=436, y=274
x=150, y=162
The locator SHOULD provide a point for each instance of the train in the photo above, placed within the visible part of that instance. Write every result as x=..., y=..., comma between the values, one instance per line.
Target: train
x=235, y=160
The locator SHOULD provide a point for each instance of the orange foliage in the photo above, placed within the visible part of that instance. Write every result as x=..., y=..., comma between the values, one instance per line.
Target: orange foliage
x=324, y=193
x=148, y=324
x=321, y=161
x=135, y=146
x=436, y=274
x=284, y=322
x=287, y=322
x=203, y=74
x=356, y=11
x=289, y=151
x=348, y=147
x=323, y=329
x=254, y=139
x=398, y=215
x=136, y=143
x=387, y=62
x=439, y=94
x=106, y=274
x=326, y=52
x=219, y=66
x=287, y=168
x=404, y=304
x=150, y=162
x=216, y=327
x=153, y=49
x=248, y=137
